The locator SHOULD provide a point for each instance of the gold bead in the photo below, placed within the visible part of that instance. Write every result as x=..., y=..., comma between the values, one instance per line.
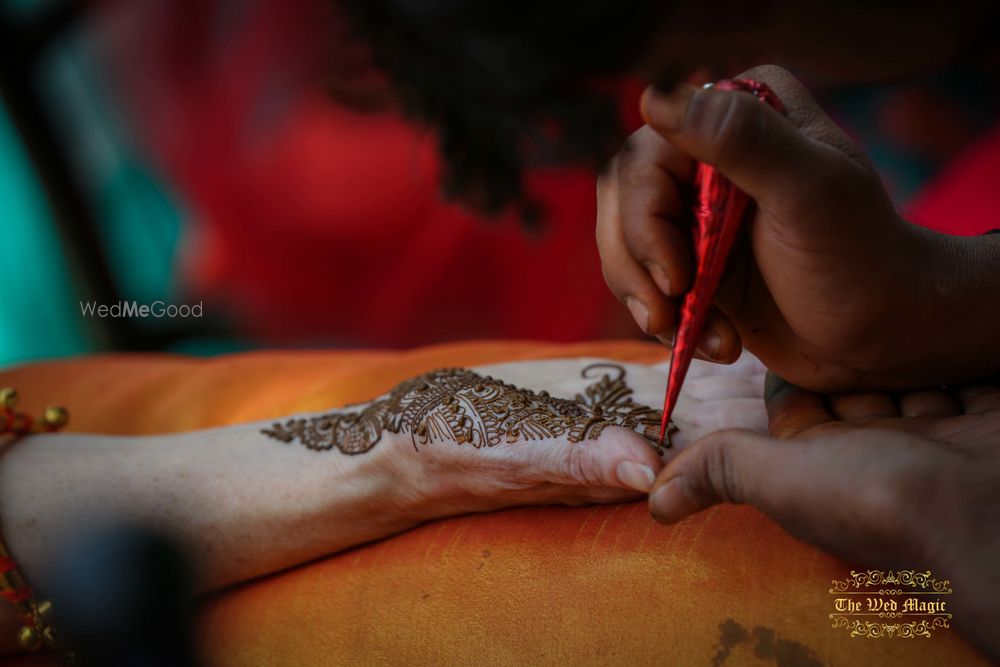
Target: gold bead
x=55, y=416
x=29, y=638
x=44, y=610
x=51, y=637
x=8, y=397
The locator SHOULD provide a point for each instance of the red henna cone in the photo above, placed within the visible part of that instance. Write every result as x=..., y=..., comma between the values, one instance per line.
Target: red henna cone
x=719, y=214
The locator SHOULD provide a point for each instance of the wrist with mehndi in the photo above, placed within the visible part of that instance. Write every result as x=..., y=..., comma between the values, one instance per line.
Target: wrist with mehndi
x=388, y=483
x=439, y=480
x=408, y=486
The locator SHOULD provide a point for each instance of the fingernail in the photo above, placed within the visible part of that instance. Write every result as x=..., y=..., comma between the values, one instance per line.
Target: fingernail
x=710, y=345
x=659, y=275
x=666, y=111
x=670, y=503
x=666, y=339
x=636, y=476
x=639, y=313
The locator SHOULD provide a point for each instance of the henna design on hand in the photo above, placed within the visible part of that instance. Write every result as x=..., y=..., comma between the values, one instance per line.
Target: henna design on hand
x=458, y=405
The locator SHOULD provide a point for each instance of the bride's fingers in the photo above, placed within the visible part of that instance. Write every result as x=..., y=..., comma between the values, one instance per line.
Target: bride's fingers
x=619, y=458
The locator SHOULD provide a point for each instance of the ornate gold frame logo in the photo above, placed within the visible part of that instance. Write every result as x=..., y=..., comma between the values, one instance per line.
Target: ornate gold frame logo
x=917, y=599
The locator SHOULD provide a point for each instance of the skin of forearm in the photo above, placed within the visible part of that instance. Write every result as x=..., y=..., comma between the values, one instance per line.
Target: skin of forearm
x=240, y=504
x=938, y=325
x=959, y=311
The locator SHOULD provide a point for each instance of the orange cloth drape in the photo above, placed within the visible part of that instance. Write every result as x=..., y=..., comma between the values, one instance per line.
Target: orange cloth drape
x=558, y=585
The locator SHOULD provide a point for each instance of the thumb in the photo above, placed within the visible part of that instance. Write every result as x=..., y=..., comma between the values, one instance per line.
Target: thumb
x=619, y=458
x=759, y=149
x=829, y=491
x=725, y=466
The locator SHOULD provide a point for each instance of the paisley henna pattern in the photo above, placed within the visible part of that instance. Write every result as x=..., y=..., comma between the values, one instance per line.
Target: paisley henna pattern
x=457, y=405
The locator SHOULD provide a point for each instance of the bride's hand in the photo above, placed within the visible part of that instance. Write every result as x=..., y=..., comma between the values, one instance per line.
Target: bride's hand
x=533, y=459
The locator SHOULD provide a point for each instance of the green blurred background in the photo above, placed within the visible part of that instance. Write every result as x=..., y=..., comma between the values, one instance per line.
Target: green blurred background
x=129, y=218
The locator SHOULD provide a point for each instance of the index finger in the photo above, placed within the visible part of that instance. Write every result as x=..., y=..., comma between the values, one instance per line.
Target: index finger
x=651, y=177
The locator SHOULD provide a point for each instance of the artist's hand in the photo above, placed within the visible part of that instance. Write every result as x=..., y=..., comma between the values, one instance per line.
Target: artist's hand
x=829, y=287
x=913, y=485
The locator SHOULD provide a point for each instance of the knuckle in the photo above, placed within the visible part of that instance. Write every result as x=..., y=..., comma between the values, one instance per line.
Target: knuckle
x=723, y=473
x=712, y=478
x=645, y=241
x=581, y=465
x=637, y=145
x=731, y=123
x=633, y=175
x=637, y=171
x=613, y=280
x=642, y=156
x=647, y=234
x=769, y=74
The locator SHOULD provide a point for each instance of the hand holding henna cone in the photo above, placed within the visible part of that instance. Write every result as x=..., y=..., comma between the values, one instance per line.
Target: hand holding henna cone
x=720, y=210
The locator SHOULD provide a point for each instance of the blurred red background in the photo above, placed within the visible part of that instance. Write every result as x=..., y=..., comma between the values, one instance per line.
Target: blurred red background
x=318, y=224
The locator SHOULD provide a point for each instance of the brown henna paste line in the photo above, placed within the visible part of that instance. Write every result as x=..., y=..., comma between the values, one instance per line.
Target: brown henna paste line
x=460, y=406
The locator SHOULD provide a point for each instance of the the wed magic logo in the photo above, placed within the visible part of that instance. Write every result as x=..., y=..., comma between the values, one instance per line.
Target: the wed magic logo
x=903, y=604
x=135, y=310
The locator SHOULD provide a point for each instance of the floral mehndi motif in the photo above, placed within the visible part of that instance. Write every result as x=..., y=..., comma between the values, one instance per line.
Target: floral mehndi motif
x=460, y=406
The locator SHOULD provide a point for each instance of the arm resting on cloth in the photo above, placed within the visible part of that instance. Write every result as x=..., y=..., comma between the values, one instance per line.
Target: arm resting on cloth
x=241, y=504
x=254, y=499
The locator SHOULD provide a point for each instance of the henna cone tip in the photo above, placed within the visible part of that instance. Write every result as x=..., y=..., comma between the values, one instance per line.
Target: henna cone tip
x=719, y=214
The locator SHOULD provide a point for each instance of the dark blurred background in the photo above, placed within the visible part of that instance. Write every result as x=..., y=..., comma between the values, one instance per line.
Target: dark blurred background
x=189, y=151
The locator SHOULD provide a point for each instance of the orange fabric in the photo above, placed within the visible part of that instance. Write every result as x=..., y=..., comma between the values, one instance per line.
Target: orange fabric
x=592, y=585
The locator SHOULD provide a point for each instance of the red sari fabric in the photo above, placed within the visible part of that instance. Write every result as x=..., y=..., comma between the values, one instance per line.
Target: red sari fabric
x=313, y=224
x=964, y=199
